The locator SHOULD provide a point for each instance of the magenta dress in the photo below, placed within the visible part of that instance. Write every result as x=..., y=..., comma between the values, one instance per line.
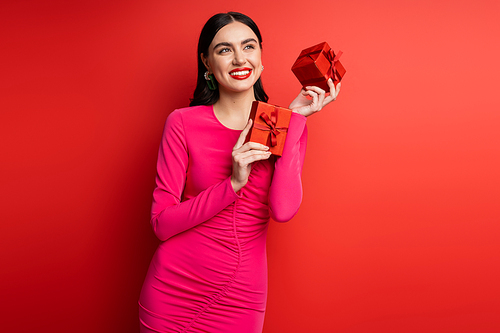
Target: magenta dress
x=209, y=273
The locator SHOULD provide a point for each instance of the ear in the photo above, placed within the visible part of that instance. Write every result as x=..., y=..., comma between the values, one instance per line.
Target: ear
x=205, y=61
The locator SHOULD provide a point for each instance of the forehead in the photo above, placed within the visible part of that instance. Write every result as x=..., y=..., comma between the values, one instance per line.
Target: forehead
x=233, y=33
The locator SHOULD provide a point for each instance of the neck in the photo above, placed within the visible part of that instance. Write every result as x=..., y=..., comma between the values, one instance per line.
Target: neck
x=232, y=109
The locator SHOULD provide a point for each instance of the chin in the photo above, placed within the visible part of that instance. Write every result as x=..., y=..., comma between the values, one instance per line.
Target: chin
x=239, y=88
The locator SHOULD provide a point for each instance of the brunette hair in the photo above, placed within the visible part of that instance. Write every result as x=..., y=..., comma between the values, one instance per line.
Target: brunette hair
x=202, y=95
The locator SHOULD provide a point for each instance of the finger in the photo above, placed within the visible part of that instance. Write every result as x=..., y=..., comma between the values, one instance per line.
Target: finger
x=310, y=93
x=331, y=97
x=256, y=146
x=243, y=156
x=253, y=157
x=250, y=146
x=334, y=91
x=328, y=99
x=337, y=89
x=314, y=95
x=331, y=86
x=243, y=135
x=303, y=93
x=321, y=98
x=317, y=90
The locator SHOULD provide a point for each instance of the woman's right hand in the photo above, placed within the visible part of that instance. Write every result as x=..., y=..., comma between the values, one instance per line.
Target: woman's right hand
x=312, y=99
x=243, y=157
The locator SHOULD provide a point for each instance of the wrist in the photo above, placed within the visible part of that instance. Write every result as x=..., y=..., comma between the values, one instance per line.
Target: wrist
x=236, y=185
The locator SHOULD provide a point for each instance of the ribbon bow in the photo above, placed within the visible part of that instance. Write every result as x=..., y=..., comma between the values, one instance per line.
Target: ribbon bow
x=332, y=71
x=271, y=125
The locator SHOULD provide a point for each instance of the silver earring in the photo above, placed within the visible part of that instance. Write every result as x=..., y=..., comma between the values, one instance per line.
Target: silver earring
x=262, y=67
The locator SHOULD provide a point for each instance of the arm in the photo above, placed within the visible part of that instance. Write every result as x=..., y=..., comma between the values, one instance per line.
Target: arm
x=285, y=194
x=170, y=216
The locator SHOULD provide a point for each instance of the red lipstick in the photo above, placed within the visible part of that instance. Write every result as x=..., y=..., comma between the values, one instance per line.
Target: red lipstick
x=241, y=73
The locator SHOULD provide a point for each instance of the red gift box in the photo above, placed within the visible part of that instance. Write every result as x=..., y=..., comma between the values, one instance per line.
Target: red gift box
x=316, y=64
x=270, y=125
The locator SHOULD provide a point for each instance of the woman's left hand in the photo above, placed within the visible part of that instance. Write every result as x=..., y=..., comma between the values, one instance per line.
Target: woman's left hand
x=318, y=99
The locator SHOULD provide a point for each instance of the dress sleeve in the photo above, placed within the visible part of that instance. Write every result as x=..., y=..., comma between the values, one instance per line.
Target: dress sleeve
x=170, y=216
x=285, y=194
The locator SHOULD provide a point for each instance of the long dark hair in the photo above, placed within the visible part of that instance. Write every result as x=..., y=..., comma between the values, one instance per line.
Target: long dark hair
x=202, y=95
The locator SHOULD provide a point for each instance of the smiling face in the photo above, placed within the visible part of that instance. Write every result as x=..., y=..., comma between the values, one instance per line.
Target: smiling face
x=234, y=57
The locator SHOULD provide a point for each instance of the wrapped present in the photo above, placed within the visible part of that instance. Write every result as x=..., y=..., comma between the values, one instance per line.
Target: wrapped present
x=270, y=126
x=316, y=64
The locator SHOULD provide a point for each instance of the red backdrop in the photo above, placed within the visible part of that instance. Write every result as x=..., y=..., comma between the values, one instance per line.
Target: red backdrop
x=399, y=227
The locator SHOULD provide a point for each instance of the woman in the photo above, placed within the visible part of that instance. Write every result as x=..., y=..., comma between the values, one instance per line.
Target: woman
x=215, y=193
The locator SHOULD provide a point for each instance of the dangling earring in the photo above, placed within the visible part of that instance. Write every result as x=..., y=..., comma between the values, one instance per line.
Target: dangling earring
x=262, y=67
x=210, y=78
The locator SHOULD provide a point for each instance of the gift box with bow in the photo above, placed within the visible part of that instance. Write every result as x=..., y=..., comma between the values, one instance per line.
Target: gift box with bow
x=316, y=64
x=270, y=126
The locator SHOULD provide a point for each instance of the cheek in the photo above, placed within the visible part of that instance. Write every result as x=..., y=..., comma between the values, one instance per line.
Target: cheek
x=257, y=58
x=221, y=65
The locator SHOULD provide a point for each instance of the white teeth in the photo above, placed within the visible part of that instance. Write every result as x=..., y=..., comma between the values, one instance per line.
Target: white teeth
x=239, y=73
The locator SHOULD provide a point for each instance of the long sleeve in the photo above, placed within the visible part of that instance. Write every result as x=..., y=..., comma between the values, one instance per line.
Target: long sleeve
x=285, y=194
x=170, y=216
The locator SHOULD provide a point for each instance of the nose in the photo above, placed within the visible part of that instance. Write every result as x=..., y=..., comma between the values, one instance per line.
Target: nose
x=239, y=58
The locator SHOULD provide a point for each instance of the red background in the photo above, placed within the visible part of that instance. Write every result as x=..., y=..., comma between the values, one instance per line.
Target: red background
x=399, y=227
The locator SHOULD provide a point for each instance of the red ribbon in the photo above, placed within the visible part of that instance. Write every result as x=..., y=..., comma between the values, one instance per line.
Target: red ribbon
x=332, y=58
x=271, y=125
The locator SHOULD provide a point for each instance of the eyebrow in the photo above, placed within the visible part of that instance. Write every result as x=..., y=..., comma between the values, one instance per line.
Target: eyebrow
x=246, y=41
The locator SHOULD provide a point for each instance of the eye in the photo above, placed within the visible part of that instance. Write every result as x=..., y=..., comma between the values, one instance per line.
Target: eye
x=249, y=46
x=224, y=50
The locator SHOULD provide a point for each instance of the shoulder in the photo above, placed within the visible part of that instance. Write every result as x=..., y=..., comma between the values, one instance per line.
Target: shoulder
x=178, y=118
x=188, y=113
